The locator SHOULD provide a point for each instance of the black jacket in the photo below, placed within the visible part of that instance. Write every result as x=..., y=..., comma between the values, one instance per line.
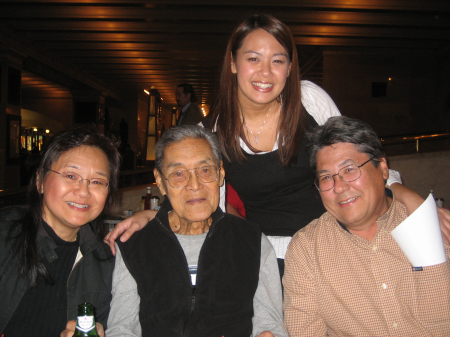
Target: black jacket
x=221, y=304
x=90, y=280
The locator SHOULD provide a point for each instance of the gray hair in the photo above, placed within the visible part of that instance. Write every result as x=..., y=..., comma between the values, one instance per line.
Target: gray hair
x=344, y=130
x=179, y=133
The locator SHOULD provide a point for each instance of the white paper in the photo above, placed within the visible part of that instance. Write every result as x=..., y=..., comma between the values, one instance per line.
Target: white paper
x=419, y=236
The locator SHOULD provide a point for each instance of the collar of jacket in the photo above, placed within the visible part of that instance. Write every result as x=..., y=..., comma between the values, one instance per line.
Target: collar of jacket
x=88, y=244
x=163, y=215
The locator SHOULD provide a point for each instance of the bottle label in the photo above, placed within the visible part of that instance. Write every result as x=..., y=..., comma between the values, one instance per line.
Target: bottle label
x=85, y=323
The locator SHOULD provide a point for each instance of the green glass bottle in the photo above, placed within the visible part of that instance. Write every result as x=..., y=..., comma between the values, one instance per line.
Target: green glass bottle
x=85, y=321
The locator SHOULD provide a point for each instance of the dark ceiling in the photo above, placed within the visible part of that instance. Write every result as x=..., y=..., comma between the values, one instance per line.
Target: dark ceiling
x=133, y=45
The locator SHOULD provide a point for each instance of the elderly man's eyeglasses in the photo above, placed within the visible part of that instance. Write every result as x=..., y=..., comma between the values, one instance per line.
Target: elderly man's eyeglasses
x=347, y=173
x=72, y=178
x=206, y=174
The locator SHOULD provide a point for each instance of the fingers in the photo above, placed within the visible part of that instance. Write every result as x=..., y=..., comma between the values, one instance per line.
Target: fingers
x=70, y=329
x=444, y=220
x=100, y=330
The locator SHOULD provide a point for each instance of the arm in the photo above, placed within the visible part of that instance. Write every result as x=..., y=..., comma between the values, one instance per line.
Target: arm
x=412, y=201
x=71, y=326
x=128, y=226
x=301, y=306
x=317, y=102
x=123, y=320
x=267, y=303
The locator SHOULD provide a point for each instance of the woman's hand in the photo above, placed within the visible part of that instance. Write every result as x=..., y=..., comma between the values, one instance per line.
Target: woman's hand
x=71, y=325
x=412, y=201
x=265, y=334
x=128, y=226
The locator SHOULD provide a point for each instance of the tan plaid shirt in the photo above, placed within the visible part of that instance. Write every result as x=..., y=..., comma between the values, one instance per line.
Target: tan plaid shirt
x=339, y=284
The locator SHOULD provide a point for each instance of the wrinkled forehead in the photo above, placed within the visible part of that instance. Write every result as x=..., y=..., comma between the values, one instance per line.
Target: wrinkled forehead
x=189, y=152
x=338, y=155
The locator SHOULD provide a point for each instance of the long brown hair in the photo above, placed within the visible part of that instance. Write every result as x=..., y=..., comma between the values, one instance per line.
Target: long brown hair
x=226, y=113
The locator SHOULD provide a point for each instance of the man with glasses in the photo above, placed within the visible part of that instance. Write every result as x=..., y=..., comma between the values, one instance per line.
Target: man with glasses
x=345, y=275
x=194, y=270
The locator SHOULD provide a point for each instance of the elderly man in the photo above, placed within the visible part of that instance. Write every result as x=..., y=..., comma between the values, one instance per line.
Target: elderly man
x=345, y=275
x=193, y=270
x=190, y=111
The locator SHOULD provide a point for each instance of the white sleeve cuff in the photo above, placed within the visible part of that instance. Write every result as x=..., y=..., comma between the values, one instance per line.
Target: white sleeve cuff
x=394, y=177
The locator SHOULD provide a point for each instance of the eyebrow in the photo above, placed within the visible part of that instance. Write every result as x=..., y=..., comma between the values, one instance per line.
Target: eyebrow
x=77, y=167
x=340, y=165
x=255, y=52
x=204, y=161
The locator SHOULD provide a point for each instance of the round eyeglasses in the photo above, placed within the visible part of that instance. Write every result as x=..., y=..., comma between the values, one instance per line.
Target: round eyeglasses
x=72, y=178
x=347, y=173
x=206, y=174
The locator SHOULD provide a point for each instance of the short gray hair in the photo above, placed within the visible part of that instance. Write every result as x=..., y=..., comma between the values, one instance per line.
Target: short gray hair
x=344, y=130
x=180, y=133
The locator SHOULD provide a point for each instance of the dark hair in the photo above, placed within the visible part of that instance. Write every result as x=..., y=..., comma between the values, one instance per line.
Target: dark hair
x=180, y=133
x=188, y=89
x=344, y=130
x=226, y=113
x=25, y=248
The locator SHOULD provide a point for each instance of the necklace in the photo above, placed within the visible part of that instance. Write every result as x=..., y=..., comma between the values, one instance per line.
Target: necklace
x=256, y=136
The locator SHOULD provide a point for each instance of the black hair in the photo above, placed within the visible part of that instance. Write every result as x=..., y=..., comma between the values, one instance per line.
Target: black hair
x=188, y=89
x=344, y=130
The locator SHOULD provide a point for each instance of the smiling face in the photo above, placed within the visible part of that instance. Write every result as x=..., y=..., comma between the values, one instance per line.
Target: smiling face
x=182, y=98
x=357, y=204
x=197, y=200
x=262, y=66
x=67, y=207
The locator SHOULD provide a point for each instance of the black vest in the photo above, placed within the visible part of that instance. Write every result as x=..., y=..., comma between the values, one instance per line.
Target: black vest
x=227, y=278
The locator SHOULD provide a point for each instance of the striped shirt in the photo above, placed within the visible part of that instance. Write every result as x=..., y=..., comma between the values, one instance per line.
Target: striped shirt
x=339, y=284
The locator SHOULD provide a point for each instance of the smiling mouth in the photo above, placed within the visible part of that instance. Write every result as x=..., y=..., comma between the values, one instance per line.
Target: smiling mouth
x=262, y=85
x=347, y=201
x=71, y=203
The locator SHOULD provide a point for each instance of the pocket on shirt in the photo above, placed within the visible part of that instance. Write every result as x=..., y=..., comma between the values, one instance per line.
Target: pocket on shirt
x=432, y=286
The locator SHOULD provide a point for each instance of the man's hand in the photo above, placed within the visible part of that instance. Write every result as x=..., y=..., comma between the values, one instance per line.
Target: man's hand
x=128, y=226
x=71, y=325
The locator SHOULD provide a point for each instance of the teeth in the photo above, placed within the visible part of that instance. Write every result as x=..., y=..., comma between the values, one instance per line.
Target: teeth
x=347, y=201
x=263, y=85
x=77, y=205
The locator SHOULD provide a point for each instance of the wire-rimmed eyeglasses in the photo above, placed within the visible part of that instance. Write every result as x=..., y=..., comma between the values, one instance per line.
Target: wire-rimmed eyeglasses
x=206, y=174
x=73, y=178
x=347, y=173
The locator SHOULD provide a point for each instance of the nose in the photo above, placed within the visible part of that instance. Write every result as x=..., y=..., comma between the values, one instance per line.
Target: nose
x=339, y=184
x=265, y=68
x=193, y=182
x=82, y=189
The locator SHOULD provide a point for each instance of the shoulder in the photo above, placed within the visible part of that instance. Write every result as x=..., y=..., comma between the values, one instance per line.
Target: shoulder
x=316, y=230
x=12, y=213
x=9, y=215
x=230, y=219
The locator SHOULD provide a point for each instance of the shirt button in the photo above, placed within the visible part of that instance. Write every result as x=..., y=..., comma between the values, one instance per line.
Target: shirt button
x=384, y=286
x=374, y=248
x=395, y=325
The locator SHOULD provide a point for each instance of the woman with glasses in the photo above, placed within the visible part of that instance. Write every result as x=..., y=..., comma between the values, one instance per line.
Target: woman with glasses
x=51, y=254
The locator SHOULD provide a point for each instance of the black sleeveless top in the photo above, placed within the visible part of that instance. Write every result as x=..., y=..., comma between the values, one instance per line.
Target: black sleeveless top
x=280, y=199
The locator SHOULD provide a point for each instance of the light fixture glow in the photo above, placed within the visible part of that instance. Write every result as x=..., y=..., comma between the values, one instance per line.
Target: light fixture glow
x=148, y=93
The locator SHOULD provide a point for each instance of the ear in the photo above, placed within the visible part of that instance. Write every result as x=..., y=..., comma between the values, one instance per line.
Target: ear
x=383, y=166
x=289, y=69
x=221, y=174
x=159, y=182
x=188, y=95
x=233, y=66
